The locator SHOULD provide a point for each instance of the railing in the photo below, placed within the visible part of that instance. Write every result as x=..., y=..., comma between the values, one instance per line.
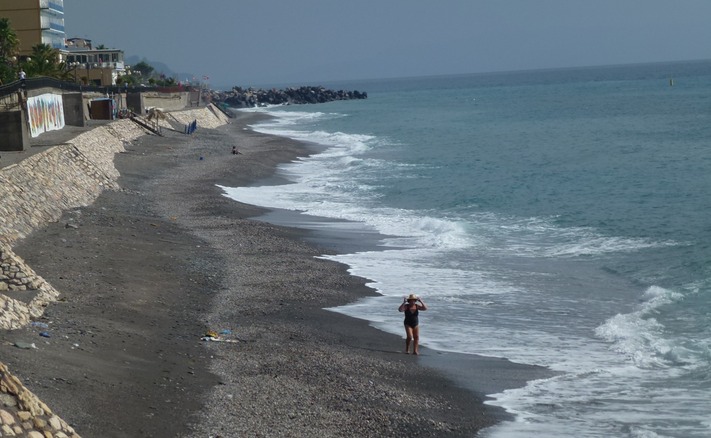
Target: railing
x=45, y=82
x=36, y=83
x=10, y=88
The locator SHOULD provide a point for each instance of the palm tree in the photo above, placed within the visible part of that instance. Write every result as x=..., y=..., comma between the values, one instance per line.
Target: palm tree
x=9, y=45
x=44, y=61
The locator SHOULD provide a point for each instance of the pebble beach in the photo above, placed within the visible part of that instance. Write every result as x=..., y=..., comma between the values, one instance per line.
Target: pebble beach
x=167, y=259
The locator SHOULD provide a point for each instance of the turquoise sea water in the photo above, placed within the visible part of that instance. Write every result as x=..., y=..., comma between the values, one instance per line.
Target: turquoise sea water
x=556, y=218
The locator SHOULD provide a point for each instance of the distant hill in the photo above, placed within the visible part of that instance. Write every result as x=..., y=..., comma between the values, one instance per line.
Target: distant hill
x=161, y=68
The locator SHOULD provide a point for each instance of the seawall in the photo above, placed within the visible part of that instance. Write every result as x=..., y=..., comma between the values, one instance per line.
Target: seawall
x=35, y=192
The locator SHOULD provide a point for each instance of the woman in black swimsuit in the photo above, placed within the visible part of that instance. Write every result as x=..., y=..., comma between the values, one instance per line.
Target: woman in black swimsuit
x=412, y=324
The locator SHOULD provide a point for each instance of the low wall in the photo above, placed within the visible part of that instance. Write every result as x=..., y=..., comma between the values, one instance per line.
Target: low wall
x=73, y=109
x=134, y=102
x=166, y=101
x=13, y=131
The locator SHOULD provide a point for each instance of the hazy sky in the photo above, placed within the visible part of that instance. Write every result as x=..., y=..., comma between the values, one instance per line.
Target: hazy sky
x=262, y=42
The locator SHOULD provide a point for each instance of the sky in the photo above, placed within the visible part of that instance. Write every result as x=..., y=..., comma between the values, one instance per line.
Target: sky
x=296, y=42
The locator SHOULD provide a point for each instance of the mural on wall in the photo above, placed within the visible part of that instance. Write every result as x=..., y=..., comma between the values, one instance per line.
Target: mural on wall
x=46, y=113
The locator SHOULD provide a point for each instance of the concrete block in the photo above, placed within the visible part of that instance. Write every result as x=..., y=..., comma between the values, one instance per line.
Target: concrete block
x=13, y=131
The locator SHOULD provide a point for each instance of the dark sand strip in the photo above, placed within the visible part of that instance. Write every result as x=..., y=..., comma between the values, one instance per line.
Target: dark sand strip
x=151, y=268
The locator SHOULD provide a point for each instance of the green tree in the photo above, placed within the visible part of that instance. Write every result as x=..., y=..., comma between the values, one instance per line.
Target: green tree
x=144, y=68
x=9, y=47
x=129, y=79
x=44, y=61
x=167, y=82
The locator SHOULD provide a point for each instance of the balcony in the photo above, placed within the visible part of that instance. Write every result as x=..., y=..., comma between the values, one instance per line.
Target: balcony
x=54, y=5
x=52, y=24
x=56, y=27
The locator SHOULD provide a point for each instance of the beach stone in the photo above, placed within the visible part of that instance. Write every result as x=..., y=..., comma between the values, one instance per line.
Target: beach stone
x=7, y=431
x=35, y=434
x=7, y=385
x=55, y=423
x=8, y=400
x=6, y=417
x=39, y=423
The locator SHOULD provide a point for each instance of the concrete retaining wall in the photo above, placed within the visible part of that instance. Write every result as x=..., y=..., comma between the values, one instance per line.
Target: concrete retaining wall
x=134, y=102
x=13, y=131
x=166, y=101
x=73, y=109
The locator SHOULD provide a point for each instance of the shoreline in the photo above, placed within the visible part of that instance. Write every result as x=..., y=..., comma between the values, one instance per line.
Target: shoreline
x=169, y=257
x=480, y=375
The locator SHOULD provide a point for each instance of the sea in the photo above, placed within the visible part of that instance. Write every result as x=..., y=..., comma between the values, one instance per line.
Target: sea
x=559, y=218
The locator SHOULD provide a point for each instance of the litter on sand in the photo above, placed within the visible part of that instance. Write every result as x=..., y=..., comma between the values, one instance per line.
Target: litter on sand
x=212, y=336
x=211, y=339
x=25, y=345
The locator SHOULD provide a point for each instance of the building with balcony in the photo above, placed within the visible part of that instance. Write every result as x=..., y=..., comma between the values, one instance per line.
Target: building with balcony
x=42, y=22
x=36, y=22
x=93, y=66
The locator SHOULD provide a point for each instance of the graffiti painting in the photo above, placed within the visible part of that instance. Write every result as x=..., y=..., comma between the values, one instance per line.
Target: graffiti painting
x=45, y=113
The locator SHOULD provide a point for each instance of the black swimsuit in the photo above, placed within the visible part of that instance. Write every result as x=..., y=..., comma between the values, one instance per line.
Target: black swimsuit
x=411, y=319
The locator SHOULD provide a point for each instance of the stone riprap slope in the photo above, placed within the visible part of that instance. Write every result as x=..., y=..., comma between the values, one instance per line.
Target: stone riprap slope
x=17, y=278
x=177, y=121
x=218, y=117
x=23, y=414
x=35, y=192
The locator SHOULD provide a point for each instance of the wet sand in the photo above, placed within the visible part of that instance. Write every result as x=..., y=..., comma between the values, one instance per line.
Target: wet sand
x=146, y=271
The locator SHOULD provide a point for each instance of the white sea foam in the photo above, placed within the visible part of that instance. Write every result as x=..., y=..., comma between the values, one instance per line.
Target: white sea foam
x=489, y=281
x=335, y=184
x=540, y=237
x=645, y=341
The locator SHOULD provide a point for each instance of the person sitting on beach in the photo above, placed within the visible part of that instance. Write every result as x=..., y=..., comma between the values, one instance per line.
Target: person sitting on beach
x=412, y=323
x=235, y=151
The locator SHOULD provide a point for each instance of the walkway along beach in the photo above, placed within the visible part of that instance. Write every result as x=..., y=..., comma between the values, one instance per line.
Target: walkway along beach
x=138, y=256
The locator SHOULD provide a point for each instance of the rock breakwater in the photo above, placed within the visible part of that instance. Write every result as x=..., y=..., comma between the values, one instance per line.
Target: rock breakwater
x=247, y=98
